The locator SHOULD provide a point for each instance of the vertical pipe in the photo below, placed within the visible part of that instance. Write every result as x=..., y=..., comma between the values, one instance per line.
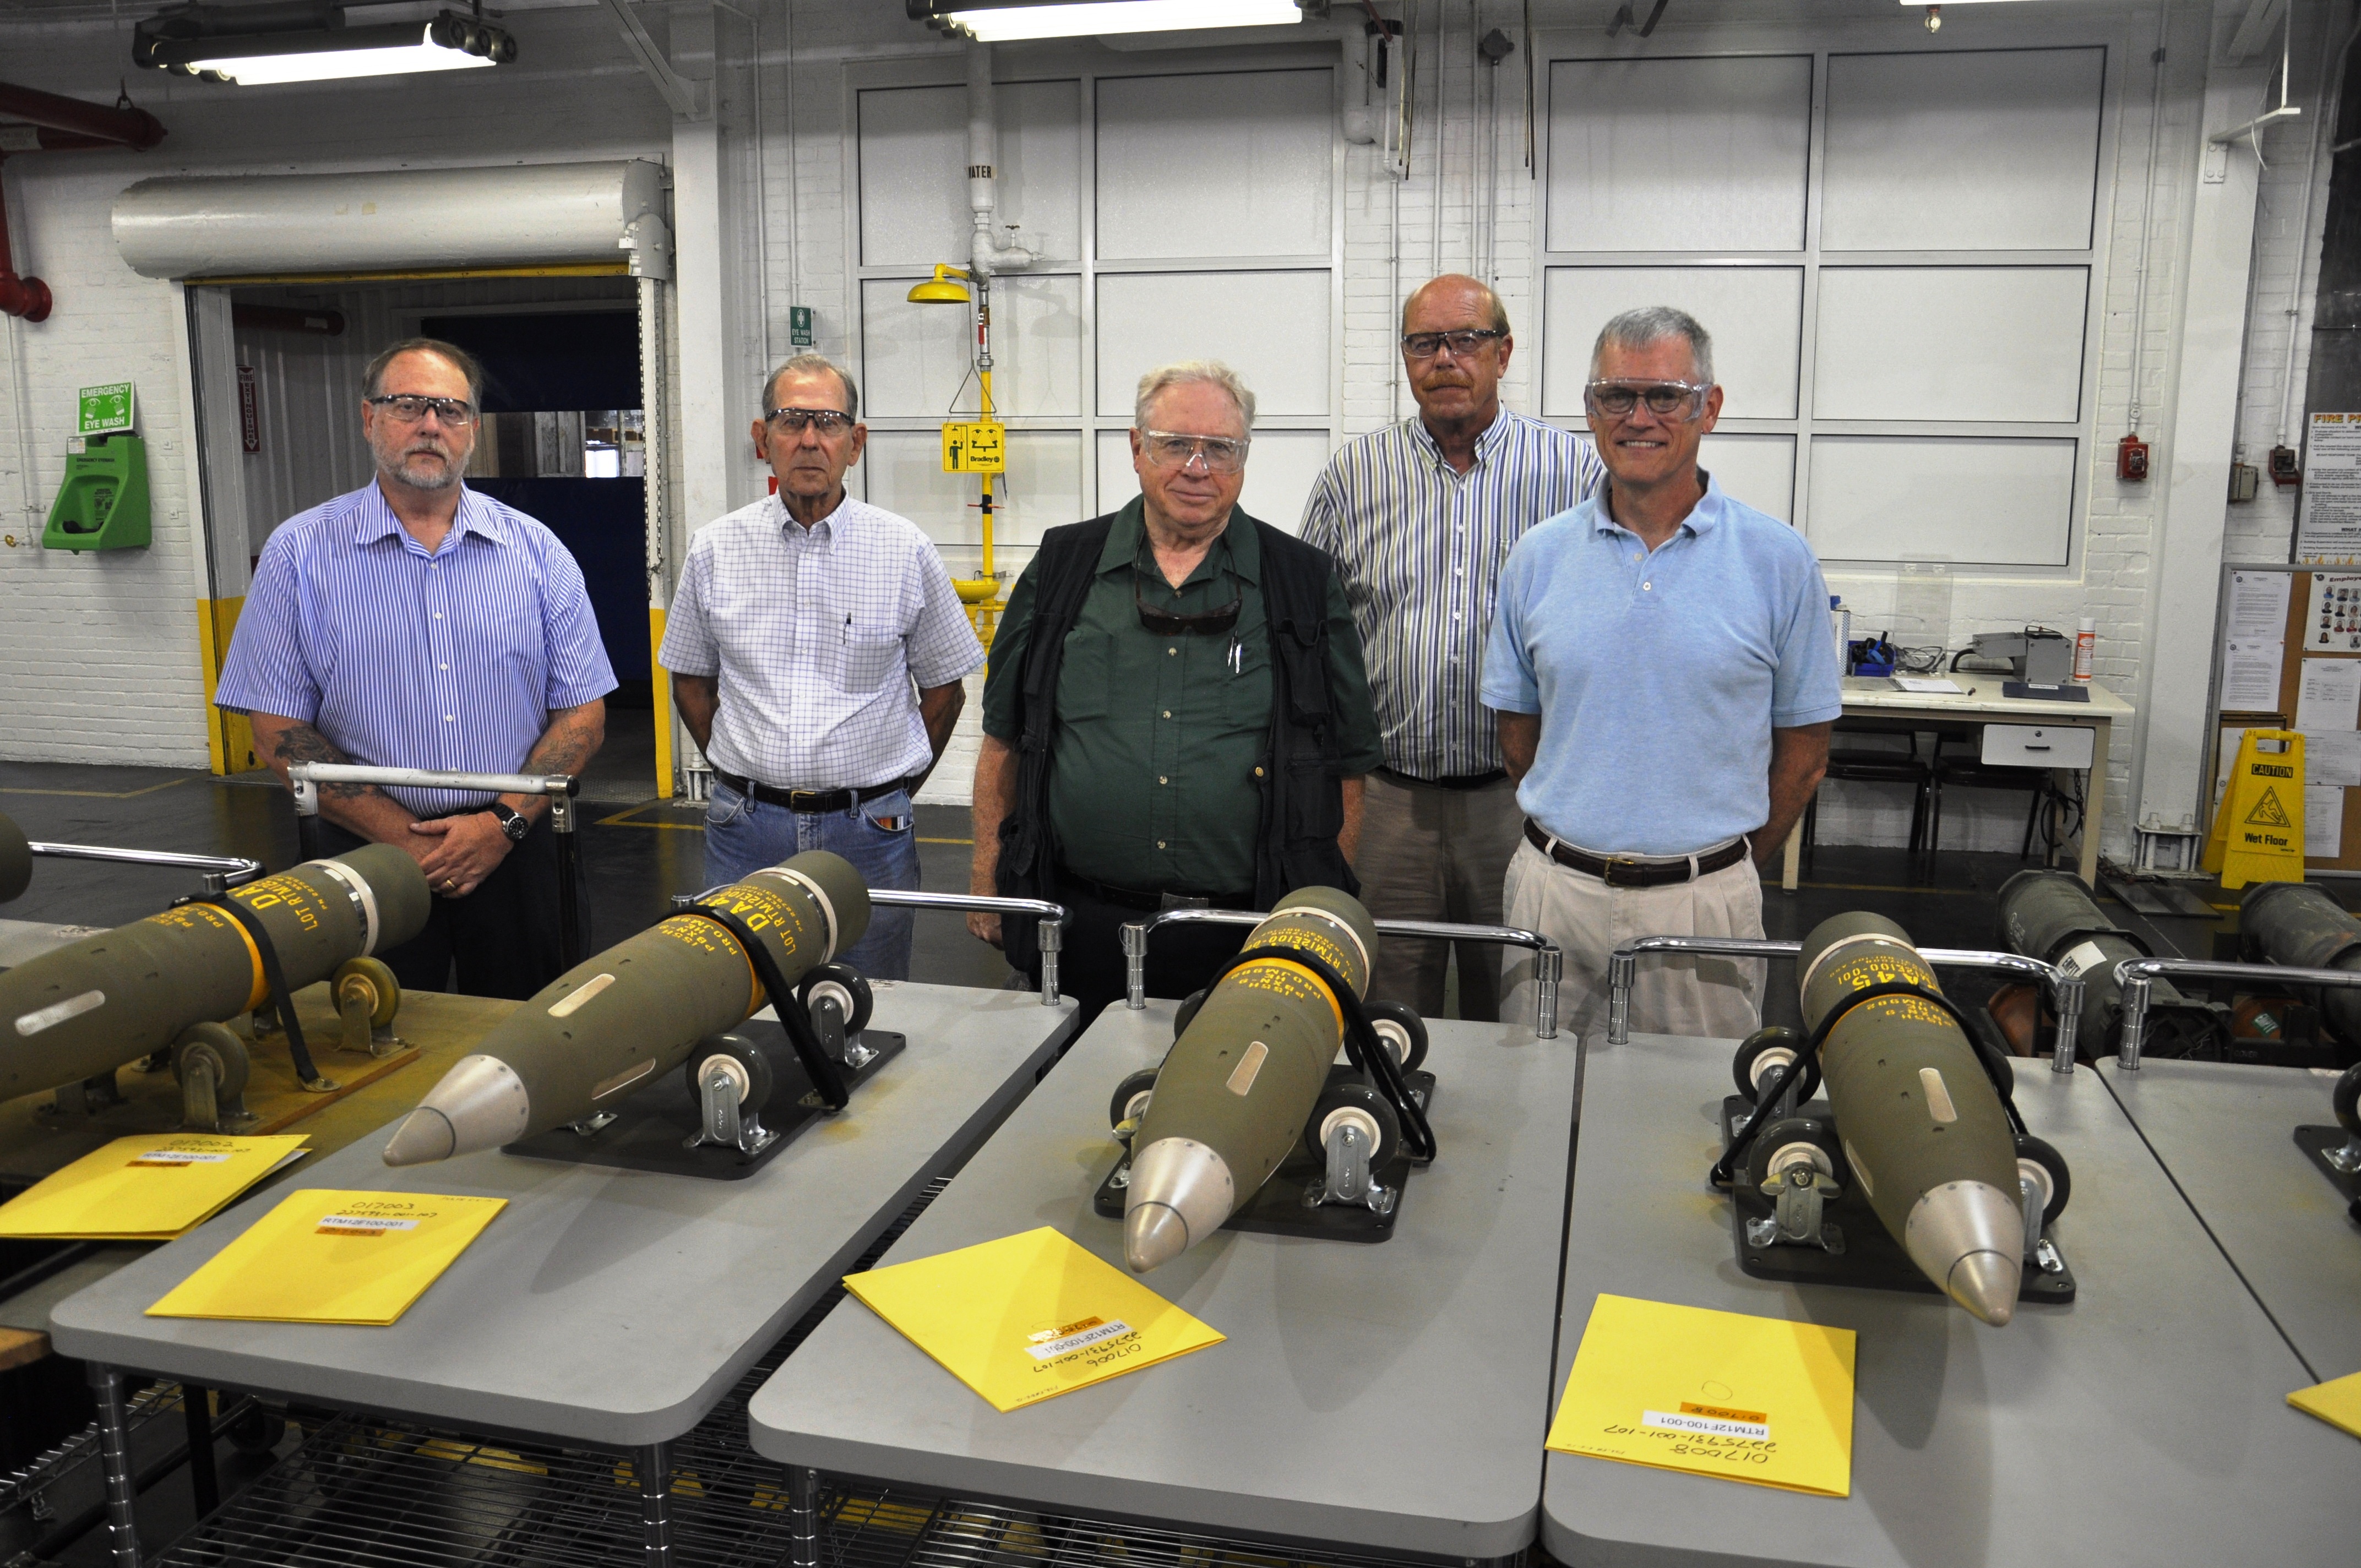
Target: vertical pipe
x=562, y=820
x=653, y=1466
x=2127, y=1048
x=2069, y=1003
x=803, y=1516
x=196, y=1411
x=115, y=1458
x=1549, y=967
x=1051, y=937
x=1135, y=964
x=1622, y=970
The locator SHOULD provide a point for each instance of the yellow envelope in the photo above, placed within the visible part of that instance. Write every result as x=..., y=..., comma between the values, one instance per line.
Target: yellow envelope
x=2337, y=1402
x=150, y=1187
x=1756, y=1399
x=326, y=1257
x=1029, y=1317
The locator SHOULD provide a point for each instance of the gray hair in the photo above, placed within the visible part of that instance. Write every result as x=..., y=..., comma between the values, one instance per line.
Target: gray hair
x=812, y=365
x=1190, y=372
x=458, y=359
x=1653, y=324
x=1484, y=292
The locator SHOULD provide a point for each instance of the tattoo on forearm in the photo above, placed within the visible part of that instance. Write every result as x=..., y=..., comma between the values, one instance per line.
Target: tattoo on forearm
x=302, y=743
x=565, y=745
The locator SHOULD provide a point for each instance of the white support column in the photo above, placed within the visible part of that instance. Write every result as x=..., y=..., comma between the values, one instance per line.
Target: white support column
x=2169, y=755
x=704, y=444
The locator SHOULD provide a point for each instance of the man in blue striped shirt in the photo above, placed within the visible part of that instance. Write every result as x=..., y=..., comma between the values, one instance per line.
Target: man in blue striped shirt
x=1419, y=517
x=416, y=624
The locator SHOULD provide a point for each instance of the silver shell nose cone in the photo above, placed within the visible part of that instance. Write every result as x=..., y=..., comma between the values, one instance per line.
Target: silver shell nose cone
x=425, y=1135
x=1985, y=1283
x=1153, y=1233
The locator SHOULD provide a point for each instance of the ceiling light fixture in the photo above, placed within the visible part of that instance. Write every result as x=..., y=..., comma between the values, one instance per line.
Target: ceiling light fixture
x=306, y=41
x=1003, y=21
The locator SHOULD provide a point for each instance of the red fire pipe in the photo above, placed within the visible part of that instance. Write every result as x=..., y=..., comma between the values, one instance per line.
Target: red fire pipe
x=63, y=124
x=134, y=128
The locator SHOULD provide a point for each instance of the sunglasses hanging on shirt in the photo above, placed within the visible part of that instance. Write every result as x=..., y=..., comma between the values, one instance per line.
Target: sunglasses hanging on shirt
x=1170, y=623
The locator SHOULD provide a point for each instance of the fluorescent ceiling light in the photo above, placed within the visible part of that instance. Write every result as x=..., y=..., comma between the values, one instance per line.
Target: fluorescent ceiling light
x=1083, y=18
x=327, y=65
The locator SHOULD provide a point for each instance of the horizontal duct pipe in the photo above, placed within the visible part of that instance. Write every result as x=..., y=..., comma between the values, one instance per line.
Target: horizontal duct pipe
x=397, y=220
x=128, y=128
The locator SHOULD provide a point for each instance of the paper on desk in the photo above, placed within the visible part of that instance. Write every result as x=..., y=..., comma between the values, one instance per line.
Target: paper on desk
x=2328, y=695
x=2250, y=676
x=1942, y=685
x=1756, y=1399
x=2330, y=757
x=147, y=1188
x=2324, y=822
x=2337, y=1402
x=2259, y=605
x=330, y=1256
x=1028, y=1317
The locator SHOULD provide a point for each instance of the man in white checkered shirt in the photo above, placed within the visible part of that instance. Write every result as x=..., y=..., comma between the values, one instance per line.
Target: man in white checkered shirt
x=817, y=647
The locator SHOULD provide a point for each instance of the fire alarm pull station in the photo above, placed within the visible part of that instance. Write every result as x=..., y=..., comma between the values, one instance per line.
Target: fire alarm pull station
x=2131, y=458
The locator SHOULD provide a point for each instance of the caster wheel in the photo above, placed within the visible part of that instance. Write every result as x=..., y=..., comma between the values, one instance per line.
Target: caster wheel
x=750, y=1069
x=1403, y=1030
x=1791, y=1139
x=2346, y=1099
x=2044, y=1166
x=257, y=1433
x=1187, y=1014
x=843, y=985
x=1761, y=1055
x=217, y=1048
x=1354, y=1100
x=1130, y=1101
x=384, y=990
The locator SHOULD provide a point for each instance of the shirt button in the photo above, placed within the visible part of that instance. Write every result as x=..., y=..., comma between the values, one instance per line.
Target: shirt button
x=448, y=719
x=442, y=666
x=438, y=615
x=1159, y=843
x=433, y=565
x=1645, y=587
x=1170, y=652
x=1167, y=713
x=1161, y=779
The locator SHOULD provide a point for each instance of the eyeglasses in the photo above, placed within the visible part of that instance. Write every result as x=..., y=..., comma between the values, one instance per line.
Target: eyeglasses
x=1665, y=398
x=408, y=409
x=794, y=421
x=1221, y=455
x=1427, y=345
x=1169, y=623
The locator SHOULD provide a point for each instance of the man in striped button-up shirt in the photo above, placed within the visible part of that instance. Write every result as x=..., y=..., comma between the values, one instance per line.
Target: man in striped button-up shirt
x=1419, y=517
x=416, y=624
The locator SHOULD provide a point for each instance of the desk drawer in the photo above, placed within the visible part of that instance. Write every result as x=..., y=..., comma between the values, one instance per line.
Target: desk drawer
x=2038, y=746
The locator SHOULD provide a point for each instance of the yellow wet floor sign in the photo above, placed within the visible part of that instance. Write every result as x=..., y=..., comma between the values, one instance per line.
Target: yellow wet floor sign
x=2258, y=830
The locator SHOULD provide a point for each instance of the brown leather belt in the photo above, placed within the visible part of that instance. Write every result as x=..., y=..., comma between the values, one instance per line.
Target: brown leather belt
x=811, y=802
x=1617, y=872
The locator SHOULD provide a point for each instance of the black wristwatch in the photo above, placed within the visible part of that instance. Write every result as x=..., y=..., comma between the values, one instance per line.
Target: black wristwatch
x=514, y=826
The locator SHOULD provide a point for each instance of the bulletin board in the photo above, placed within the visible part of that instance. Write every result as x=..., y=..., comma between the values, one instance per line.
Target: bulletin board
x=2287, y=656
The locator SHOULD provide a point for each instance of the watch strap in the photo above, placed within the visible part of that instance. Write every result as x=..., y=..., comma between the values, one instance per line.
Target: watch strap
x=512, y=823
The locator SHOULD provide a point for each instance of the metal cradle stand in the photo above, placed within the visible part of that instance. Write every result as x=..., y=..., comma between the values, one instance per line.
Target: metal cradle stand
x=1050, y=932
x=2134, y=977
x=1549, y=960
x=222, y=872
x=305, y=778
x=2065, y=990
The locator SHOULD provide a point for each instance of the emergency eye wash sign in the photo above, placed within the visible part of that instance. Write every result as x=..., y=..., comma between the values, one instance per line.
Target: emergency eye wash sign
x=1722, y=1394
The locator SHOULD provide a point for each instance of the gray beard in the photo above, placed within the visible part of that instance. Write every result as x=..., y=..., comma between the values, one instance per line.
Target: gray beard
x=418, y=478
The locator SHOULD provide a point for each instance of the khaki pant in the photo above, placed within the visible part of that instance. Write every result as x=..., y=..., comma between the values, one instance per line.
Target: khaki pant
x=1430, y=854
x=1715, y=999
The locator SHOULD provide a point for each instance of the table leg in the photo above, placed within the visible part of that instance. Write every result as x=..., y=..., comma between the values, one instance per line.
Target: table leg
x=1791, y=864
x=803, y=1516
x=115, y=1458
x=2094, y=804
x=652, y=1464
x=197, y=1410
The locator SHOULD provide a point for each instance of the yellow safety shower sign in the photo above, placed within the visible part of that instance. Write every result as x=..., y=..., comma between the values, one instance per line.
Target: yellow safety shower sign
x=975, y=446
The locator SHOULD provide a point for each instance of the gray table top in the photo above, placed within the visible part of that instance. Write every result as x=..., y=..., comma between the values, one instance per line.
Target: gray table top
x=2226, y=1134
x=605, y=1306
x=2146, y=1422
x=1378, y=1396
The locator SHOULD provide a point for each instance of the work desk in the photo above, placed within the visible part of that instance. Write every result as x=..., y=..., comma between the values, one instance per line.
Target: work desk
x=1980, y=703
x=2225, y=1134
x=2146, y=1422
x=1382, y=1397
x=605, y=1307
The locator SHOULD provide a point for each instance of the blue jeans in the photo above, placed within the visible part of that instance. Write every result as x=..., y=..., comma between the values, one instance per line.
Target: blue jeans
x=743, y=836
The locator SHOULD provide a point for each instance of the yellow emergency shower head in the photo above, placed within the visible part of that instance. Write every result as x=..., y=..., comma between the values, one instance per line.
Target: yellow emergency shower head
x=939, y=290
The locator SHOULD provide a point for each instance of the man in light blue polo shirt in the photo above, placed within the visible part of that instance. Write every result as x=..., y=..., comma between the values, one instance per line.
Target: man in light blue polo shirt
x=1663, y=681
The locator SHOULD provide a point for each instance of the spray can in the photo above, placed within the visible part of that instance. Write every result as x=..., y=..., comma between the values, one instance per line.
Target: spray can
x=1840, y=623
x=2086, y=647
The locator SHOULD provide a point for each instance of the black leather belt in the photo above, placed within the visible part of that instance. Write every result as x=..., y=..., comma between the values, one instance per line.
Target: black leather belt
x=812, y=802
x=1617, y=872
x=1137, y=898
x=1449, y=781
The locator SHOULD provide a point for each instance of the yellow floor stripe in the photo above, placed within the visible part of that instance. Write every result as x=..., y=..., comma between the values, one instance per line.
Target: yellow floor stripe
x=100, y=794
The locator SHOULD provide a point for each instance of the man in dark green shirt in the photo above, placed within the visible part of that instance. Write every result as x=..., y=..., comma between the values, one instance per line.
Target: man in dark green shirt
x=1173, y=772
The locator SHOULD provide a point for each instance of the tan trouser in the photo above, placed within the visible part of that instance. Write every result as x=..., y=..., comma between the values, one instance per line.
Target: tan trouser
x=1715, y=999
x=1429, y=854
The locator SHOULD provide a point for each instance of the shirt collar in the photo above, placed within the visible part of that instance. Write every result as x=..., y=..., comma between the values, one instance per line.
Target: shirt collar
x=374, y=519
x=1703, y=518
x=1487, y=444
x=834, y=522
x=1127, y=535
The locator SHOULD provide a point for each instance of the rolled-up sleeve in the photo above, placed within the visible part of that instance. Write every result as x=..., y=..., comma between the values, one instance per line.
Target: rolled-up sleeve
x=578, y=671
x=266, y=670
x=688, y=648
x=1509, y=684
x=941, y=646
